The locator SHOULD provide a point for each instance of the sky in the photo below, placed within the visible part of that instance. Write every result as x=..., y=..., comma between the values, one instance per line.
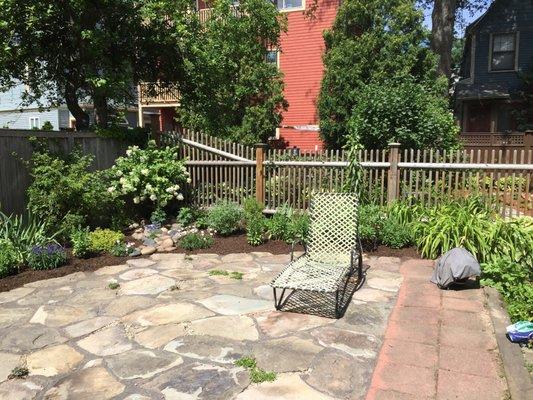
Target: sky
x=467, y=17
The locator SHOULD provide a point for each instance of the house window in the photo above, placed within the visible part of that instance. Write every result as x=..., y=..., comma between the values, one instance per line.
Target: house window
x=503, y=52
x=289, y=4
x=34, y=123
x=272, y=57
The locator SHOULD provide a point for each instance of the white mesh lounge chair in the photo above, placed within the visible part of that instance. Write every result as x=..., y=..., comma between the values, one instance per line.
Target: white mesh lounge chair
x=332, y=255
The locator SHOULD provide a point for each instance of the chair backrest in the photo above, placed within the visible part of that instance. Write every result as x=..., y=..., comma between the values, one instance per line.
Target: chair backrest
x=333, y=229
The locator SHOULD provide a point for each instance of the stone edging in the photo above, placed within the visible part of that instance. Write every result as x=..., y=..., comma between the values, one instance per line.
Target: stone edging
x=518, y=380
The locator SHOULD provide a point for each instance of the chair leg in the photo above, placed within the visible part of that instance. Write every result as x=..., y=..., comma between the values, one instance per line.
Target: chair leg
x=279, y=303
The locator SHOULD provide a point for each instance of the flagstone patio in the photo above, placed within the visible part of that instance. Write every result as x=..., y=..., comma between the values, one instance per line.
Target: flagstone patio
x=173, y=331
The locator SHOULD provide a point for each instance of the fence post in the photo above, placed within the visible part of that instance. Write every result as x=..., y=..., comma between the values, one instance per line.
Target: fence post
x=392, y=182
x=528, y=140
x=260, y=172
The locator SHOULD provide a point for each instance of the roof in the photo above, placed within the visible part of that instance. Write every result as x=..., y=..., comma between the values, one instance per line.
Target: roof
x=480, y=18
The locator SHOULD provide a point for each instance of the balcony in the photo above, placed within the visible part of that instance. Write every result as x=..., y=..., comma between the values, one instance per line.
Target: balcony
x=155, y=94
x=206, y=13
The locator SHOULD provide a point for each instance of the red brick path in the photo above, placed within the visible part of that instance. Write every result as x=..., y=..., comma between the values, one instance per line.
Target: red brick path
x=438, y=344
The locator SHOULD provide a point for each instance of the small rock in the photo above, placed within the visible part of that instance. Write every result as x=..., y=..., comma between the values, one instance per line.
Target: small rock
x=149, y=242
x=164, y=230
x=139, y=230
x=138, y=236
x=167, y=242
x=146, y=251
x=135, y=225
x=135, y=253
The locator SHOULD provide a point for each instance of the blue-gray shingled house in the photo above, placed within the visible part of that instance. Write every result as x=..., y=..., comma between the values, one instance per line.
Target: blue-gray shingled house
x=498, y=52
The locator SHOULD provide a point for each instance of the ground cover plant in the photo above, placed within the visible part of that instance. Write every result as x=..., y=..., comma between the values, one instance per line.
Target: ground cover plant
x=230, y=274
x=104, y=240
x=194, y=241
x=257, y=375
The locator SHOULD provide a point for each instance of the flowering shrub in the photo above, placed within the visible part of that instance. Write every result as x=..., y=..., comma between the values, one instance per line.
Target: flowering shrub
x=47, y=256
x=153, y=174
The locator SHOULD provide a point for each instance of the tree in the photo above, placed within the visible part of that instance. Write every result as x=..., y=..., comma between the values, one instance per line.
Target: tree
x=444, y=16
x=371, y=41
x=78, y=51
x=229, y=89
x=404, y=111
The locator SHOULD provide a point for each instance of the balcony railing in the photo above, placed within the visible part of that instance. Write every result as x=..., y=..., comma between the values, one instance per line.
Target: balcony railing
x=153, y=93
x=206, y=13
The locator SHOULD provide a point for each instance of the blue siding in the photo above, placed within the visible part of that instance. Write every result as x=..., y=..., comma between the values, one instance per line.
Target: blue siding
x=504, y=16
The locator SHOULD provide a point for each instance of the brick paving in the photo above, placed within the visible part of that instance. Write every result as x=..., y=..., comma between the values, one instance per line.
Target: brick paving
x=438, y=344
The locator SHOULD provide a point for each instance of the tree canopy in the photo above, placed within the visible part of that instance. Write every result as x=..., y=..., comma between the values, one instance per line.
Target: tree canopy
x=371, y=41
x=80, y=51
x=229, y=89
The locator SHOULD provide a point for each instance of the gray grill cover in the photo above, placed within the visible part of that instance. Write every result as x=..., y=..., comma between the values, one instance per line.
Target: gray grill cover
x=456, y=264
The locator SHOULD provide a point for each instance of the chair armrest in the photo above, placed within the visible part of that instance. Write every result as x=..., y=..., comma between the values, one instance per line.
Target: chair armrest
x=294, y=242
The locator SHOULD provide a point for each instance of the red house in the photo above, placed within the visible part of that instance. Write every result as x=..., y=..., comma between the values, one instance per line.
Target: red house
x=300, y=60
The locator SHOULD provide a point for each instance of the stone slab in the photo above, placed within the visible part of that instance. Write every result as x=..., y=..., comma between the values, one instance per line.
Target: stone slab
x=108, y=341
x=154, y=284
x=234, y=305
x=53, y=360
x=141, y=364
x=168, y=314
x=86, y=384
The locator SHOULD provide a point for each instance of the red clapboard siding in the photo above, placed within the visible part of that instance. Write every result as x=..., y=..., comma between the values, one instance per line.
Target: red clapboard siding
x=302, y=48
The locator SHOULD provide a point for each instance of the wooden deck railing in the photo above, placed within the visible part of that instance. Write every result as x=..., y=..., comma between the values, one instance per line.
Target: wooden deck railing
x=206, y=13
x=495, y=140
x=155, y=93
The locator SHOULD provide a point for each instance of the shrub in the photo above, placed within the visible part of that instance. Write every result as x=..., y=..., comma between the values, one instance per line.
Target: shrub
x=104, y=239
x=370, y=224
x=278, y=224
x=395, y=234
x=512, y=239
x=81, y=243
x=225, y=218
x=64, y=186
x=298, y=228
x=155, y=175
x=193, y=241
x=48, y=256
x=23, y=233
x=514, y=281
x=121, y=249
x=9, y=258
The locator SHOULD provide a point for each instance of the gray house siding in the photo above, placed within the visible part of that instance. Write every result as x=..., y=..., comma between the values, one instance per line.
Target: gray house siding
x=504, y=16
x=20, y=119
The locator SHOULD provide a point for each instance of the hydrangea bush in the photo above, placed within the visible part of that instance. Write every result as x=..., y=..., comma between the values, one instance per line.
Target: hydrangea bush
x=154, y=174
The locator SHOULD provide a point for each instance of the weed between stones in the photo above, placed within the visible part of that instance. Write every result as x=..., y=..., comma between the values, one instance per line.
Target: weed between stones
x=257, y=375
x=229, y=274
x=113, y=285
x=18, y=373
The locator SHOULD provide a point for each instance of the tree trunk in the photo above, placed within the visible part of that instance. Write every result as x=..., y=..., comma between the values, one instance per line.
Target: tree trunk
x=102, y=110
x=442, y=33
x=81, y=117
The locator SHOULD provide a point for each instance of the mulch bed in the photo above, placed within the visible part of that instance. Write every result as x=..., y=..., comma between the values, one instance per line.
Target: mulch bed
x=222, y=246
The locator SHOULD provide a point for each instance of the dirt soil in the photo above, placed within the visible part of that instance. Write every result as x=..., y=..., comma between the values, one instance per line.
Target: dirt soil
x=222, y=246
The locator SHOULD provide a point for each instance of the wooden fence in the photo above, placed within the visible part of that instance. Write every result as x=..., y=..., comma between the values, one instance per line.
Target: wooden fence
x=15, y=147
x=223, y=170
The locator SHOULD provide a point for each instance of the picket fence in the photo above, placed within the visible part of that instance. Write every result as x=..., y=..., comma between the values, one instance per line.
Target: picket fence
x=221, y=170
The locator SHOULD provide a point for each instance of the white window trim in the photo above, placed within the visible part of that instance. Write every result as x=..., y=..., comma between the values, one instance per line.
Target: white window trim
x=31, y=120
x=292, y=9
x=516, y=48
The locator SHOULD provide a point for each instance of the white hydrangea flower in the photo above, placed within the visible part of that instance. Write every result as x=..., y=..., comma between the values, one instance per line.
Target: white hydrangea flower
x=189, y=180
x=148, y=186
x=144, y=171
x=143, y=198
x=119, y=173
x=122, y=180
x=128, y=152
x=179, y=197
x=169, y=189
x=136, y=200
x=153, y=197
x=110, y=189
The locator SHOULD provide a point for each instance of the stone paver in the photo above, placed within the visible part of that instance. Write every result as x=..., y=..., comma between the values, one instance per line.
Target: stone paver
x=171, y=331
x=438, y=344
